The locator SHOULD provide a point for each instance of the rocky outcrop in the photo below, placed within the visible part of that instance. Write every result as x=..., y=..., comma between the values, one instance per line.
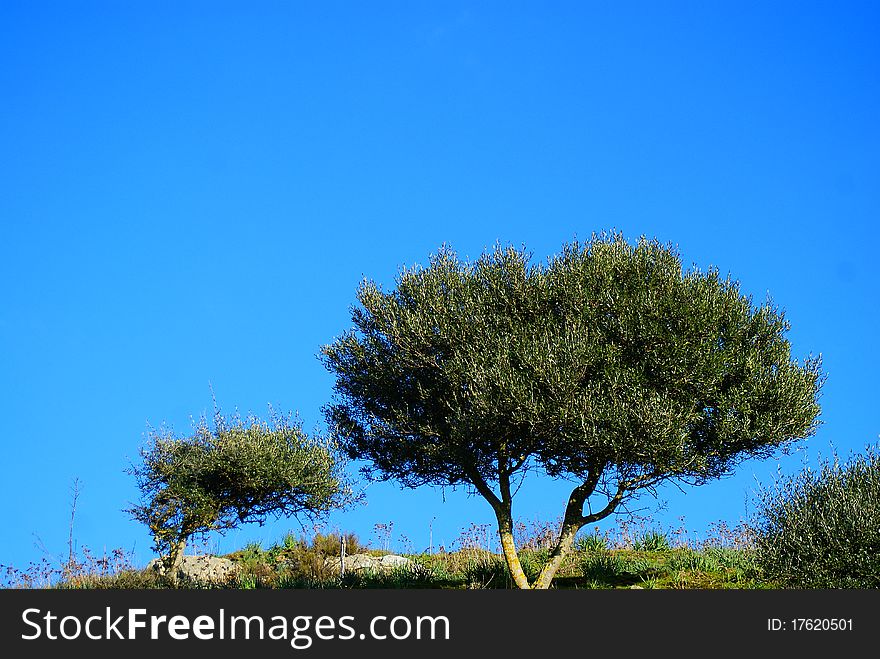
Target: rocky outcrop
x=200, y=569
x=368, y=563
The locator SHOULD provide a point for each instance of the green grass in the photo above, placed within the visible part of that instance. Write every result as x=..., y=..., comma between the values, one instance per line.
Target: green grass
x=302, y=566
x=636, y=559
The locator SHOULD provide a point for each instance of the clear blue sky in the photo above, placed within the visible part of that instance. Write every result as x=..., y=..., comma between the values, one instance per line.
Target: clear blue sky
x=190, y=192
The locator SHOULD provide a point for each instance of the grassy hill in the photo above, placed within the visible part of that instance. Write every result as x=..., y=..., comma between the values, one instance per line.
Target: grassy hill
x=597, y=562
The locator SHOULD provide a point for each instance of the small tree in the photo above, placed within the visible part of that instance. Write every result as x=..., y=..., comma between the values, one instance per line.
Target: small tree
x=239, y=471
x=608, y=366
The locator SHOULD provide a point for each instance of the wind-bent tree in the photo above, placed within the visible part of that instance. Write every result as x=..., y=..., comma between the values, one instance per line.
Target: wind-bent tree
x=607, y=365
x=239, y=471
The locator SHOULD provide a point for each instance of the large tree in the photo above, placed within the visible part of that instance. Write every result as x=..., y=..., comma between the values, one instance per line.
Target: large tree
x=234, y=472
x=608, y=365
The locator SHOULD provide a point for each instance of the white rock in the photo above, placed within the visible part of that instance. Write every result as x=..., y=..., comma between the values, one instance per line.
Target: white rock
x=201, y=569
x=368, y=563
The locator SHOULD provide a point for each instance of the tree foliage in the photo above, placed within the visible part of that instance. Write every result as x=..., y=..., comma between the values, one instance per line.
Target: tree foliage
x=607, y=365
x=238, y=471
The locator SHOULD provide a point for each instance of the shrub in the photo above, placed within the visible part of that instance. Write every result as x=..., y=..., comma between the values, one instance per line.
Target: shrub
x=821, y=528
x=331, y=544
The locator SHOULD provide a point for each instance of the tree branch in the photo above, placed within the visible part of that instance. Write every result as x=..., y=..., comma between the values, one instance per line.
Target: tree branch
x=622, y=488
x=574, y=511
x=483, y=488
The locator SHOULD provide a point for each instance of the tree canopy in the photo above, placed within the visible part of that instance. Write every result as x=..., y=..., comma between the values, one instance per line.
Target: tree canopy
x=608, y=365
x=238, y=471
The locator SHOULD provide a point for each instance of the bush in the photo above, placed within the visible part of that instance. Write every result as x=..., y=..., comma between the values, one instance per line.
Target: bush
x=331, y=544
x=821, y=528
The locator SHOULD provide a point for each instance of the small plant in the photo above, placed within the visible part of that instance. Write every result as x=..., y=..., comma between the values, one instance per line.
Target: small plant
x=635, y=564
x=251, y=551
x=532, y=560
x=486, y=571
x=536, y=534
x=290, y=542
x=83, y=570
x=125, y=580
x=649, y=583
x=437, y=566
x=384, y=535
x=591, y=543
x=722, y=535
x=246, y=582
x=689, y=560
x=475, y=537
x=40, y=574
x=409, y=576
x=604, y=567
x=732, y=559
x=652, y=541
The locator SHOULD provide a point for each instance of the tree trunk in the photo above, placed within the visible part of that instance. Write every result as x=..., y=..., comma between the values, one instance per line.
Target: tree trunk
x=572, y=522
x=508, y=546
x=504, y=515
x=563, y=545
x=173, y=561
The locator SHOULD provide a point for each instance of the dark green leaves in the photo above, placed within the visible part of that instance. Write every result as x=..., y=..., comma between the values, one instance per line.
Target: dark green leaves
x=608, y=355
x=234, y=472
x=820, y=528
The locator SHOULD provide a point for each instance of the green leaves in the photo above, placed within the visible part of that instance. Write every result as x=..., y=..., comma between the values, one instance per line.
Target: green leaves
x=820, y=528
x=607, y=354
x=235, y=472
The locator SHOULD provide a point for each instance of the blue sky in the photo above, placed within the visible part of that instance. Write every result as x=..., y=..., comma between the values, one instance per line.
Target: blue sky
x=190, y=193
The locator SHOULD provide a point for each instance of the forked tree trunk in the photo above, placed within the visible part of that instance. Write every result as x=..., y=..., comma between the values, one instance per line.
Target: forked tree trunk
x=573, y=521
